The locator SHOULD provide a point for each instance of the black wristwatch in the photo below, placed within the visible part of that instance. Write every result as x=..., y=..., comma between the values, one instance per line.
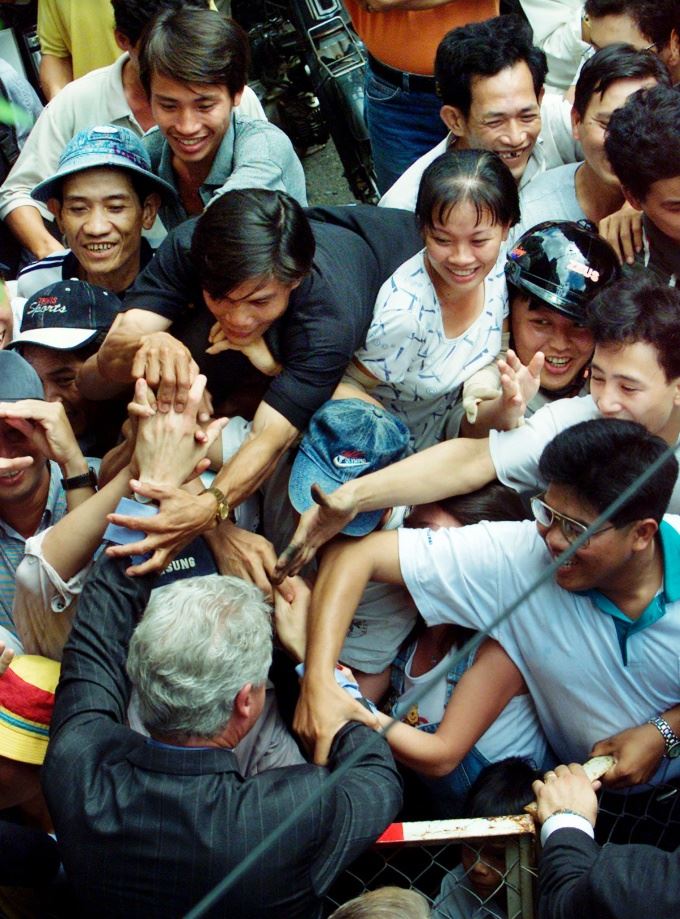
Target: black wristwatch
x=87, y=479
x=671, y=739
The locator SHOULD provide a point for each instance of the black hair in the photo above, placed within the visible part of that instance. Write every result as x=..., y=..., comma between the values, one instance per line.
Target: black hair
x=639, y=308
x=492, y=502
x=195, y=46
x=642, y=141
x=600, y=459
x=655, y=19
x=251, y=233
x=483, y=49
x=502, y=789
x=478, y=176
x=131, y=17
x=616, y=62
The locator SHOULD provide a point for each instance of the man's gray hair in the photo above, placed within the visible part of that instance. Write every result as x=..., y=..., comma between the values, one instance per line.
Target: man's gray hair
x=199, y=642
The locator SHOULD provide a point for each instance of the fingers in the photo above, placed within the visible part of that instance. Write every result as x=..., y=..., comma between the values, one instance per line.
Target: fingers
x=213, y=431
x=536, y=364
x=154, y=565
x=322, y=748
x=6, y=657
x=284, y=587
x=288, y=563
x=220, y=346
x=319, y=496
x=15, y=463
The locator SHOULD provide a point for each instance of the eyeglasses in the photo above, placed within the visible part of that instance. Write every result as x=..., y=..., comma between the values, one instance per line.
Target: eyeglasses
x=547, y=516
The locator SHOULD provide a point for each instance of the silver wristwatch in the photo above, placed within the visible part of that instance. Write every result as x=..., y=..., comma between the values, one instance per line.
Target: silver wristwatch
x=671, y=739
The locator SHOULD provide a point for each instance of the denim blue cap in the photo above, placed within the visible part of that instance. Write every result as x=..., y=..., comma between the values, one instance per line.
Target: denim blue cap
x=18, y=380
x=346, y=438
x=101, y=146
x=66, y=315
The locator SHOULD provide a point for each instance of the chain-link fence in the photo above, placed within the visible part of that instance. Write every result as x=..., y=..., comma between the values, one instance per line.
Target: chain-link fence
x=486, y=869
x=474, y=867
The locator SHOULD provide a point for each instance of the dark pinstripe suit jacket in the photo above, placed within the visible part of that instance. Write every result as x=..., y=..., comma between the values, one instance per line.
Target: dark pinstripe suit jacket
x=578, y=879
x=146, y=831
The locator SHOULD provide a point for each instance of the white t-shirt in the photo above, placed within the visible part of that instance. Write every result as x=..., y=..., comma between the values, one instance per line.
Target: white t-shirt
x=420, y=369
x=404, y=192
x=515, y=454
x=551, y=196
x=515, y=732
x=566, y=648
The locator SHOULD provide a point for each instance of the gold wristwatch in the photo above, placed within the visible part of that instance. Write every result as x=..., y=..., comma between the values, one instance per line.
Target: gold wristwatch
x=223, y=508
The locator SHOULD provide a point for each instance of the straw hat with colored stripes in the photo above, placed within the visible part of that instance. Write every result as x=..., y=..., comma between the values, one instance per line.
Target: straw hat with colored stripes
x=26, y=704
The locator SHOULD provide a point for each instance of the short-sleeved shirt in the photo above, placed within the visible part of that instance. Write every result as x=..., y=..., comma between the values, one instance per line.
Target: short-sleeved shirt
x=328, y=314
x=253, y=154
x=81, y=31
x=12, y=545
x=404, y=192
x=585, y=684
x=551, y=196
x=515, y=454
x=420, y=369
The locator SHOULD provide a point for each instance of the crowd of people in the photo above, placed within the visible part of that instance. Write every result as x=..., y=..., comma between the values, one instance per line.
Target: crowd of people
x=315, y=516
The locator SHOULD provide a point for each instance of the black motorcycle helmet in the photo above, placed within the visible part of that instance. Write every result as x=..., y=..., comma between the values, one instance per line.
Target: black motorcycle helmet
x=562, y=264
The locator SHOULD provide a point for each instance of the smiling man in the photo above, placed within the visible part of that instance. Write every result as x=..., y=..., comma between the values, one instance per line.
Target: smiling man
x=43, y=472
x=271, y=306
x=490, y=78
x=103, y=194
x=616, y=600
x=193, y=66
x=589, y=189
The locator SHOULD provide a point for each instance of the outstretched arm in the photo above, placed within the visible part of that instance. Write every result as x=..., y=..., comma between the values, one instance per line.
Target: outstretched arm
x=454, y=467
x=347, y=566
x=479, y=698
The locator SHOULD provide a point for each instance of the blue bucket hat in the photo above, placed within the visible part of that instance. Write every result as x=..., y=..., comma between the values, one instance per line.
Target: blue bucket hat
x=346, y=438
x=101, y=146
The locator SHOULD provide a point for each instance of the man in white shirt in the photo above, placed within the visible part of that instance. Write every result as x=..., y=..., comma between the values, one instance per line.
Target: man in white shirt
x=110, y=95
x=595, y=636
x=490, y=77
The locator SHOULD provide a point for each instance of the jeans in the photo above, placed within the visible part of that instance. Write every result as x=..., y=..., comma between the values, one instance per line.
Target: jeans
x=402, y=125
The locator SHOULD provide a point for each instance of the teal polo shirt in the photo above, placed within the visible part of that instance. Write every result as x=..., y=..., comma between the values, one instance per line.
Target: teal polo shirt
x=669, y=593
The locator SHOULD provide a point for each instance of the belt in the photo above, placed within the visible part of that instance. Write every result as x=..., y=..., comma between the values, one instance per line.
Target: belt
x=410, y=82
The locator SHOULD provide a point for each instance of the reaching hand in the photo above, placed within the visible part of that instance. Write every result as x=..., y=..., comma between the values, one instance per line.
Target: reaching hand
x=638, y=752
x=317, y=525
x=169, y=447
x=249, y=556
x=167, y=366
x=322, y=710
x=290, y=619
x=181, y=518
x=46, y=426
x=566, y=788
x=520, y=384
x=623, y=232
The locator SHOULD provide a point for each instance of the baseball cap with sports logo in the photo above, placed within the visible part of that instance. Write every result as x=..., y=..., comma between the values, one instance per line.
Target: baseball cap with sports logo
x=66, y=315
x=346, y=438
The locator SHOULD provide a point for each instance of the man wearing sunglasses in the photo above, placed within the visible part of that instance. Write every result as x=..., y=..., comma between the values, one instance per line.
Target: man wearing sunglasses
x=596, y=640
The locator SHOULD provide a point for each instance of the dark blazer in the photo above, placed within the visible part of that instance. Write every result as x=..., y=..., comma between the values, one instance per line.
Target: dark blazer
x=578, y=879
x=146, y=831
